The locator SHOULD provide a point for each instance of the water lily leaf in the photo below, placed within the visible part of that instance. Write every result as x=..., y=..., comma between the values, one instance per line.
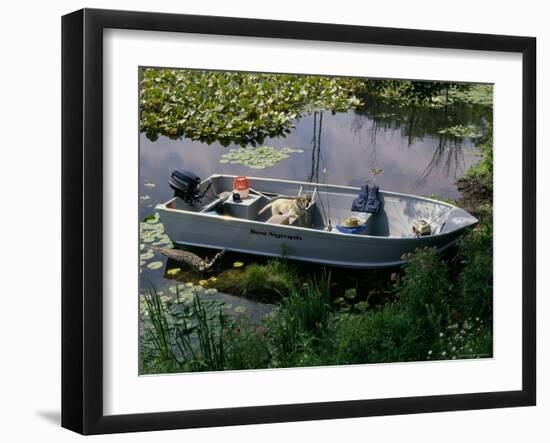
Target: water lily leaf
x=173, y=271
x=350, y=293
x=238, y=264
x=155, y=265
x=232, y=107
x=258, y=158
x=147, y=255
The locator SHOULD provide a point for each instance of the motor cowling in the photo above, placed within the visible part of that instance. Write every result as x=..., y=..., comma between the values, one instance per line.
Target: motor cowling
x=185, y=185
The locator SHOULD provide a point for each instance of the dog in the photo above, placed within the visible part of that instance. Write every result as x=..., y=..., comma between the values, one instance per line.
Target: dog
x=279, y=219
x=287, y=207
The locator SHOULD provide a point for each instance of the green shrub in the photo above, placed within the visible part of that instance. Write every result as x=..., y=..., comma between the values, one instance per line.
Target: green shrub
x=424, y=291
x=475, y=282
x=296, y=325
x=374, y=336
x=262, y=281
x=472, y=338
x=247, y=346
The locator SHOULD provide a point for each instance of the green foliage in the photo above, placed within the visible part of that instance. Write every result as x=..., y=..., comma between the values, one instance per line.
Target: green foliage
x=475, y=295
x=299, y=321
x=410, y=92
x=377, y=336
x=478, y=94
x=472, y=338
x=462, y=131
x=262, y=281
x=483, y=170
x=182, y=335
x=431, y=94
x=247, y=346
x=314, y=324
x=258, y=158
x=233, y=107
x=424, y=291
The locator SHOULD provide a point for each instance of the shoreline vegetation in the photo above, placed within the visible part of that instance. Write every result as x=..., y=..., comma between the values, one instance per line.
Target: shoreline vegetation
x=436, y=307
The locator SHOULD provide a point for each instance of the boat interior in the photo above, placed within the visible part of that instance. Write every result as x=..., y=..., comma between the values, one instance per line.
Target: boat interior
x=328, y=205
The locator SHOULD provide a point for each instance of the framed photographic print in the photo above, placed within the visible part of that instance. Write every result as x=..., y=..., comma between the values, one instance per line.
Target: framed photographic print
x=269, y=221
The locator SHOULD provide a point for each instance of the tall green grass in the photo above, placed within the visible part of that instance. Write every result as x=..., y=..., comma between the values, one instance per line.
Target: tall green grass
x=183, y=337
x=299, y=322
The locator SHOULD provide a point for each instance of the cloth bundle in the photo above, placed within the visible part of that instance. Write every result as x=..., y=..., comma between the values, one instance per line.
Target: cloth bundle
x=367, y=200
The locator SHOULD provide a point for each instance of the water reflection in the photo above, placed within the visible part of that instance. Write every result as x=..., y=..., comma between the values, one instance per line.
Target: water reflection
x=316, y=146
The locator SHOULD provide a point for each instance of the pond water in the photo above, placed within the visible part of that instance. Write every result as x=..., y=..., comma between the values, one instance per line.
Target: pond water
x=403, y=142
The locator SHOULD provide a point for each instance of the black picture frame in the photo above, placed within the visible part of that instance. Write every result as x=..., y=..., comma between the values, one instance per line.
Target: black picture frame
x=82, y=190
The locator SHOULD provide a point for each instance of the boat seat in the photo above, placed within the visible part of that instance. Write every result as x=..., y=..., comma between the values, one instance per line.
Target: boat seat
x=216, y=202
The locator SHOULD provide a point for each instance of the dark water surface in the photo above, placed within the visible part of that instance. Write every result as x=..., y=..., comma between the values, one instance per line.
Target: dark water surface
x=404, y=142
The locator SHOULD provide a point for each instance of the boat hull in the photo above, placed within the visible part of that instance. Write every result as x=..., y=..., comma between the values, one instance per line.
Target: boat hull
x=307, y=245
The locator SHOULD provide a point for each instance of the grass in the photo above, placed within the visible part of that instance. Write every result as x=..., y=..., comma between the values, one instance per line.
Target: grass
x=263, y=282
x=299, y=321
x=182, y=336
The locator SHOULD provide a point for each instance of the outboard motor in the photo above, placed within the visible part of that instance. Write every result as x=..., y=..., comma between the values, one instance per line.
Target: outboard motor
x=186, y=186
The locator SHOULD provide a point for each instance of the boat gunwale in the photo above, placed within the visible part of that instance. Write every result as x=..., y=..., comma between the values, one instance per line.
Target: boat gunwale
x=256, y=223
x=280, y=180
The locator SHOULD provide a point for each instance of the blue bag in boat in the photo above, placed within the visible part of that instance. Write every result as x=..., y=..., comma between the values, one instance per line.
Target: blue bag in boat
x=367, y=200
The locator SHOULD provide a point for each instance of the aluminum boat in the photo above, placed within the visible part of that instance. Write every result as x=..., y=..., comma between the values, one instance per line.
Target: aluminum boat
x=209, y=217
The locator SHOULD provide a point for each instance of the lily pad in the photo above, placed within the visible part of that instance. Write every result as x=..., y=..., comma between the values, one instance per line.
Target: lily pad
x=258, y=158
x=155, y=265
x=147, y=255
x=461, y=131
x=150, y=218
x=350, y=293
x=238, y=264
x=173, y=271
x=235, y=107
